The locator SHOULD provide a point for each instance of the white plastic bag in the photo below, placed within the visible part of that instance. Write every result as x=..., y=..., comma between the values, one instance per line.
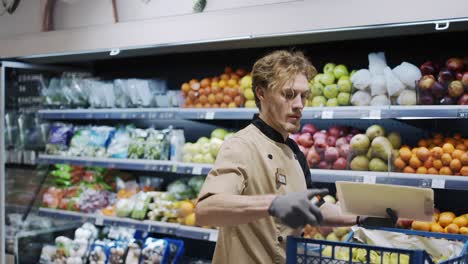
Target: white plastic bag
x=407, y=97
x=380, y=100
x=361, y=79
x=394, y=85
x=377, y=63
x=361, y=98
x=378, y=85
x=407, y=73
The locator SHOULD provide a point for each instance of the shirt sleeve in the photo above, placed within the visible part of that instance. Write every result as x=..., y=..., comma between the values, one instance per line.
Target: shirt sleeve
x=230, y=171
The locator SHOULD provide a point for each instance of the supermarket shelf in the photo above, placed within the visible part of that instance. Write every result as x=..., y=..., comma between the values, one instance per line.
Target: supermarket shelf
x=146, y=225
x=343, y=112
x=130, y=164
x=394, y=178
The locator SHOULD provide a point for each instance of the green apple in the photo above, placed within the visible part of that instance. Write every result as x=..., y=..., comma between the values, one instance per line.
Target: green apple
x=332, y=102
x=327, y=79
x=246, y=82
x=316, y=89
x=329, y=67
x=340, y=70
x=318, y=77
x=331, y=91
x=203, y=140
x=319, y=101
x=249, y=104
x=249, y=94
x=344, y=98
x=344, y=84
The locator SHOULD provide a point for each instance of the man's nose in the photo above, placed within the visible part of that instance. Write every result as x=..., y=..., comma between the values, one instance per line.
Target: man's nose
x=297, y=102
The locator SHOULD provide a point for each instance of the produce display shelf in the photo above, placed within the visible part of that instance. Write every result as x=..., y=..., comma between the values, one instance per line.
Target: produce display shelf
x=343, y=112
x=146, y=225
x=129, y=164
x=393, y=178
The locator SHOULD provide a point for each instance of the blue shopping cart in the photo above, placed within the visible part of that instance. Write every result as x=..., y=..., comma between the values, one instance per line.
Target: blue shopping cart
x=310, y=251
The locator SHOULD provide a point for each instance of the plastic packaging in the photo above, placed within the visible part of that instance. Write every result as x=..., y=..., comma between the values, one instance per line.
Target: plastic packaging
x=124, y=207
x=118, y=147
x=378, y=85
x=117, y=252
x=142, y=200
x=176, y=250
x=47, y=254
x=154, y=251
x=361, y=79
x=99, y=253
x=377, y=63
x=136, y=148
x=59, y=138
x=133, y=253
x=177, y=140
x=380, y=100
x=157, y=144
x=361, y=98
x=407, y=73
x=394, y=85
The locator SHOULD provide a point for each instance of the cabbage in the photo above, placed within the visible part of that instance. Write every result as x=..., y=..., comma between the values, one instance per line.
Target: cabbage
x=407, y=73
x=407, y=97
x=380, y=100
x=377, y=63
x=378, y=85
x=361, y=79
x=360, y=98
x=394, y=85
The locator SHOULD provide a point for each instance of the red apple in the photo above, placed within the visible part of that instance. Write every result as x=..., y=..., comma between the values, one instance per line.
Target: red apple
x=294, y=136
x=438, y=91
x=331, y=154
x=320, y=145
x=341, y=141
x=339, y=164
x=455, y=89
x=465, y=79
x=426, y=82
x=334, y=131
x=305, y=140
x=331, y=141
x=459, y=76
x=404, y=223
x=463, y=100
x=344, y=150
x=445, y=76
x=309, y=128
x=349, y=137
x=313, y=158
x=324, y=165
x=319, y=135
x=454, y=64
x=428, y=68
x=304, y=150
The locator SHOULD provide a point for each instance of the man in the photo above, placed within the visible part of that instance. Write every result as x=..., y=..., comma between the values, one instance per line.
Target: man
x=257, y=190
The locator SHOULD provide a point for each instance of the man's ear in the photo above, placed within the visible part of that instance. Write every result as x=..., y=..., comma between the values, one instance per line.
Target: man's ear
x=260, y=92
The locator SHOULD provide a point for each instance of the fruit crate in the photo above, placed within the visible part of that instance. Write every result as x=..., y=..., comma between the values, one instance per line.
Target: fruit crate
x=310, y=251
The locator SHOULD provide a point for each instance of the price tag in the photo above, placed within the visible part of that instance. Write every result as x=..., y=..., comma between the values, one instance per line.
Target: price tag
x=462, y=114
x=214, y=236
x=327, y=114
x=374, y=114
x=370, y=179
x=196, y=170
x=99, y=220
x=438, y=183
x=210, y=115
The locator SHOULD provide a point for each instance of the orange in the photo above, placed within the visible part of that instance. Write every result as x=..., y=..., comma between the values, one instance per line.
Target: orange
x=446, y=218
x=408, y=169
x=421, y=170
x=464, y=159
x=185, y=87
x=429, y=163
x=405, y=154
x=451, y=141
x=222, y=84
x=437, y=141
x=435, y=227
x=465, y=142
x=452, y=229
x=448, y=148
x=445, y=171
x=399, y=163
x=423, y=153
x=433, y=171
x=446, y=159
x=414, y=162
x=203, y=99
x=436, y=217
x=457, y=154
x=464, y=171
x=457, y=136
x=438, y=135
x=460, y=221
x=464, y=230
x=422, y=143
x=405, y=146
x=421, y=226
x=455, y=165
x=414, y=151
x=460, y=146
x=437, y=164
x=437, y=152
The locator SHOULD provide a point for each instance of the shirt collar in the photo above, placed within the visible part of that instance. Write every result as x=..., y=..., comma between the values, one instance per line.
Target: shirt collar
x=267, y=130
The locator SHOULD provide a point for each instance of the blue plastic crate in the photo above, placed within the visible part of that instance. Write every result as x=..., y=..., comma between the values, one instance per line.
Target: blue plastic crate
x=310, y=251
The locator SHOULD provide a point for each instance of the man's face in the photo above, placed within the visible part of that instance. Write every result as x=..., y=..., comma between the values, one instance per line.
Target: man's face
x=282, y=107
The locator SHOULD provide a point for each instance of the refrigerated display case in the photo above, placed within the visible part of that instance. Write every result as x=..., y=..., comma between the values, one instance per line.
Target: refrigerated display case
x=32, y=113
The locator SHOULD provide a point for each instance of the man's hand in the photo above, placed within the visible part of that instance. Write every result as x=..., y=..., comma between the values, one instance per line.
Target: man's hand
x=295, y=209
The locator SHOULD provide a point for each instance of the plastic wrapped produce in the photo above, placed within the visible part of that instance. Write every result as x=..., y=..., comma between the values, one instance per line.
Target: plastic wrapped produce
x=394, y=85
x=380, y=100
x=80, y=141
x=361, y=98
x=91, y=200
x=378, y=85
x=136, y=148
x=100, y=137
x=157, y=144
x=142, y=200
x=133, y=253
x=377, y=63
x=118, y=147
x=53, y=95
x=361, y=79
x=101, y=94
x=407, y=97
x=59, y=138
x=117, y=252
x=407, y=73
x=154, y=251
x=122, y=99
x=176, y=250
x=63, y=245
x=124, y=207
x=75, y=89
x=196, y=183
x=99, y=253
x=47, y=254
x=139, y=92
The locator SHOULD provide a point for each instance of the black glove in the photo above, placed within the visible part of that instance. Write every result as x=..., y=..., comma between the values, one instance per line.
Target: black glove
x=296, y=210
x=390, y=221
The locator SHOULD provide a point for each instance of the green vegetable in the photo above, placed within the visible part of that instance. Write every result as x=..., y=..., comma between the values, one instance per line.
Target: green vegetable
x=180, y=190
x=196, y=183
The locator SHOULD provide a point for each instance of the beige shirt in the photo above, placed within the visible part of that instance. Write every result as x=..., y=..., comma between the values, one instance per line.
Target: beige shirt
x=251, y=163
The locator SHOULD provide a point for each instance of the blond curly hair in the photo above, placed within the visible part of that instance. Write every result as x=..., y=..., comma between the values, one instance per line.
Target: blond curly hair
x=275, y=69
